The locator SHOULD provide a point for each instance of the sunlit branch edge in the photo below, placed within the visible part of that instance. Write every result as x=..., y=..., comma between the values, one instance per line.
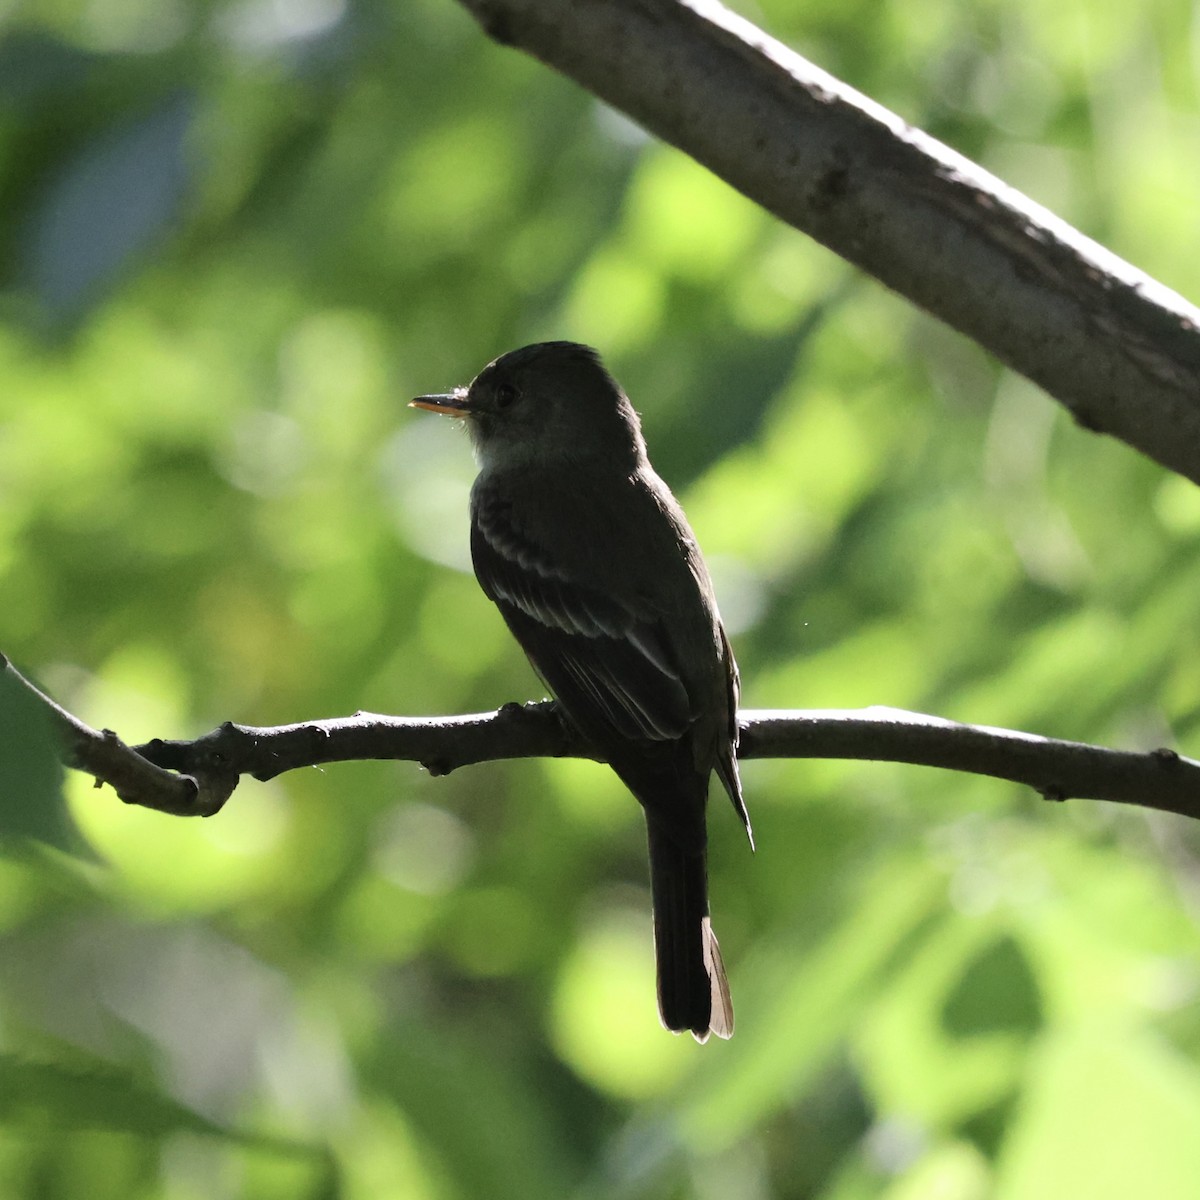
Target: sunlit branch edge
x=195, y=777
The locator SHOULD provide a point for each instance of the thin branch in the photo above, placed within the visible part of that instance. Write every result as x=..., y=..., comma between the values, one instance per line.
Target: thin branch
x=1160, y=779
x=1118, y=349
x=136, y=780
x=439, y=744
x=196, y=777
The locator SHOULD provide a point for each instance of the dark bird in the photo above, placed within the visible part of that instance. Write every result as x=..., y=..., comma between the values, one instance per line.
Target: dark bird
x=594, y=567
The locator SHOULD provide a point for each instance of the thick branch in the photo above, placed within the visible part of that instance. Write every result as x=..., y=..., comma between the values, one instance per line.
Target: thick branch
x=1121, y=351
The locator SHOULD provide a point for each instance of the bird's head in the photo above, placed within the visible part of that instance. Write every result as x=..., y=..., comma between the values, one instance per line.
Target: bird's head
x=552, y=401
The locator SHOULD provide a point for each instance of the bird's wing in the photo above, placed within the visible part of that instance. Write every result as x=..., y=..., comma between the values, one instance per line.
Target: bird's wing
x=608, y=663
x=727, y=763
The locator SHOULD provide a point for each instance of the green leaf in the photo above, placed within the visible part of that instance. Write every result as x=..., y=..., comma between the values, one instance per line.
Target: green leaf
x=996, y=993
x=1109, y=1113
x=32, y=806
x=92, y=1096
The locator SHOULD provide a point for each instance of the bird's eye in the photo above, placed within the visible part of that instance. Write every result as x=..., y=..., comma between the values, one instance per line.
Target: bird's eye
x=506, y=394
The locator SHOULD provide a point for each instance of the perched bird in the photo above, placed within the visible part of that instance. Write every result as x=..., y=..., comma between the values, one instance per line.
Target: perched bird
x=593, y=566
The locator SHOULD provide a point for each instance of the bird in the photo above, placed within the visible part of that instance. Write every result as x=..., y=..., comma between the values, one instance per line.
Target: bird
x=593, y=566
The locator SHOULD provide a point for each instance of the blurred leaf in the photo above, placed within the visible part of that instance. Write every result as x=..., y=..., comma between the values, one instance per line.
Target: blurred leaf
x=996, y=993
x=812, y=1002
x=917, y=1067
x=1109, y=1111
x=33, y=65
x=950, y=1172
x=90, y=1097
x=493, y=1131
x=112, y=200
x=31, y=777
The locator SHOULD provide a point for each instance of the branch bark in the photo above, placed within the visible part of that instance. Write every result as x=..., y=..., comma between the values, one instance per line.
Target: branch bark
x=1160, y=779
x=1118, y=349
x=196, y=777
x=135, y=779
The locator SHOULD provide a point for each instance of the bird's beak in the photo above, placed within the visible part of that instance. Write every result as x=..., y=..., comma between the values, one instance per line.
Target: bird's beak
x=451, y=404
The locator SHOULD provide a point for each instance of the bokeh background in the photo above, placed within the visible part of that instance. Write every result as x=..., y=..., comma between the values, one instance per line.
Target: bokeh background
x=234, y=239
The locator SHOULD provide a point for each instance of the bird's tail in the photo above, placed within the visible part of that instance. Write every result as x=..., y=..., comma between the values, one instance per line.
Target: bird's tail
x=693, y=992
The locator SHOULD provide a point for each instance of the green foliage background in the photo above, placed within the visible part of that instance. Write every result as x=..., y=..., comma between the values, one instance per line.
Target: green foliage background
x=235, y=239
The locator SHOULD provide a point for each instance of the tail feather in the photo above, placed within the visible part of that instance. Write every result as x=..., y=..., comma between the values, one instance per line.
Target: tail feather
x=693, y=992
x=721, y=1016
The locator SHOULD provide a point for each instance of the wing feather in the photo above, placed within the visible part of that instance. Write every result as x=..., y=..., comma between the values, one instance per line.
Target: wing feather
x=608, y=665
